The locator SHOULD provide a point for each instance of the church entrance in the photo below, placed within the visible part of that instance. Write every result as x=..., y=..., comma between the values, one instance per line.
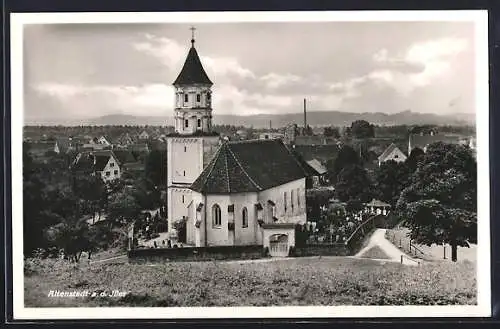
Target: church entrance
x=278, y=245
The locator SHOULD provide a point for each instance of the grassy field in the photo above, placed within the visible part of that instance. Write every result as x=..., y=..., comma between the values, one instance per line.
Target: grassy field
x=299, y=281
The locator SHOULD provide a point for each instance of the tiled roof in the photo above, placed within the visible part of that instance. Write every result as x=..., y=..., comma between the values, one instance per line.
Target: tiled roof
x=249, y=166
x=316, y=165
x=93, y=161
x=192, y=72
x=387, y=151
x=124, y=156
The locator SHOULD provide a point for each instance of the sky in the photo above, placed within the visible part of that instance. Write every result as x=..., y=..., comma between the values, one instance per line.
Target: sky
x=91, y=70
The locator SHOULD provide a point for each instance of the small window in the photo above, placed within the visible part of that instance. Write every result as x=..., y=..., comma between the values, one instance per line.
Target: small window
x=291, y=199
x=198, y=98
x=216, y=216
x=185, y=148
x=298, y=198
x=116, y=172
x=112, y=164
x=186, y=123
x=284, y=201
x=184, y=173
x=199, y=123
x=108, y=173
x=183, y=198
x=244, y=218
x=396, y=156
x=186, y=98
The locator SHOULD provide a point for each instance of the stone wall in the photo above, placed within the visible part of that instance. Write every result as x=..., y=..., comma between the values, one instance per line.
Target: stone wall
x=159, y=255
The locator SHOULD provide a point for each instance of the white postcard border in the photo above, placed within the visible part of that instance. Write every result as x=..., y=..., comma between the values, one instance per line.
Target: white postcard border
x=483, y=309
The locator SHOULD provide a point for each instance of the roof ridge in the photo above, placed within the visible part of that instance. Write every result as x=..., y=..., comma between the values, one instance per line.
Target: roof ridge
x=213, y=162
x=297, y=160
x=227, y=173
x=243, y=169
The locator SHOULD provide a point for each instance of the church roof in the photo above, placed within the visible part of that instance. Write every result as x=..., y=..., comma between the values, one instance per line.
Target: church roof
x=192, y=72
x=249, y=166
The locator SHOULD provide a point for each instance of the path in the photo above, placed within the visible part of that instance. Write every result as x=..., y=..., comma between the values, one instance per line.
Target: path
x=378, y=239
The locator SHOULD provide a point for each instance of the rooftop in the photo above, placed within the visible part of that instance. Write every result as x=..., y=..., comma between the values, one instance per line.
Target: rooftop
x=249, y=166
x=192, y=72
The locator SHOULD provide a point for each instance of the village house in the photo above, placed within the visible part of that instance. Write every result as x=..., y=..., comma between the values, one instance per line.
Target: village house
x=320, y=178
x=144, y=135
x=392, y=152
x=271, y=135
x=104, y=164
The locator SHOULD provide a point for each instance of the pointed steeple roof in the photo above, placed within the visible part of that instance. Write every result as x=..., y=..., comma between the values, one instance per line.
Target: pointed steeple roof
x=192, y=72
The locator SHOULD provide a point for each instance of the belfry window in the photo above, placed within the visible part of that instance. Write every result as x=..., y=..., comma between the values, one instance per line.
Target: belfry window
x=186, y=98
x=186, y=123
x=198, y=98
x=199, y=123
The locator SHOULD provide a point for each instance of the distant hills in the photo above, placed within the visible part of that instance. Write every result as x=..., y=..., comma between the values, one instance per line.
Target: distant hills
x=323, y=118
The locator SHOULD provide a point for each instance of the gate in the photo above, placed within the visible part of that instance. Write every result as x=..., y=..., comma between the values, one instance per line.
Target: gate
x=278, y=245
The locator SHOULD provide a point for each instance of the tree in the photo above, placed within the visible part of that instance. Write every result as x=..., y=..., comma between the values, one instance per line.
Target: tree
x=92, y=191
x=347, y=156
x=440, y=204
x=415, y=157
x=123, y=208
x=362, y=129
x=331, y=132
x=353, y=185
x=390, y=179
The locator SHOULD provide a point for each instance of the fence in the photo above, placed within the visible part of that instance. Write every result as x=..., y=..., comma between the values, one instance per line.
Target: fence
x=403, y=242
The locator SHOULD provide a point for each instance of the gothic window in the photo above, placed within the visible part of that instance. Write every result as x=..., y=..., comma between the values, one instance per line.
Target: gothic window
x=186, y=98
x=284, y=201
x=244, y=217
x=199, y=123
x=198, y=98
x=186, y=123
x=291, y=199
x=216, y=216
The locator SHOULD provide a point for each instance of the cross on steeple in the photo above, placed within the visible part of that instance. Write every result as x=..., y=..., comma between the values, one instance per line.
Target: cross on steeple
x=192, y=28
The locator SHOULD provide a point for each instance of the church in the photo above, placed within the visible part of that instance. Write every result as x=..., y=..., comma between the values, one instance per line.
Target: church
x=229, y=193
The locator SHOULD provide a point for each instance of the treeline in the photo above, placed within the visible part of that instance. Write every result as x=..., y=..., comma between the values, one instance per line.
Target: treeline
x=62, y=209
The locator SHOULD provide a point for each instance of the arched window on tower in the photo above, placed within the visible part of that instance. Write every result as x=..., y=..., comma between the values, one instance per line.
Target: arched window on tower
x=216, y=216
x=244, y=217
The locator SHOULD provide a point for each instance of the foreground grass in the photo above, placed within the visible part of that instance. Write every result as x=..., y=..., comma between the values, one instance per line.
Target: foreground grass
x=301, y=281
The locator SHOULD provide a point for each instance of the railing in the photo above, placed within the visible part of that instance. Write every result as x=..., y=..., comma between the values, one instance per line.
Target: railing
x=353, y=239
x=406, y=245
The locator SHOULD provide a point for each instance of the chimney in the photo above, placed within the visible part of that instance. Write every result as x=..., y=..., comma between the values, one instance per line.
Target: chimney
x=305, y=115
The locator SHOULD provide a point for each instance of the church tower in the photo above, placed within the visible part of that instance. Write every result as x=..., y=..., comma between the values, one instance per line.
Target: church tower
x=193, y=144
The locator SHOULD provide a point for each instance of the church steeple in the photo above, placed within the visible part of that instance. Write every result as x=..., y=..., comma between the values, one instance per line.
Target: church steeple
x=193, y=101
x=192, y=72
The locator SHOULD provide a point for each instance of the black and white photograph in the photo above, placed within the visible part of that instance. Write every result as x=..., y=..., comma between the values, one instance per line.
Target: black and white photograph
x=248, y=165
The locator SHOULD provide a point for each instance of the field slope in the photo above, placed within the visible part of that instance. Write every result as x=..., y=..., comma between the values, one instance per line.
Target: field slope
x=298, y=281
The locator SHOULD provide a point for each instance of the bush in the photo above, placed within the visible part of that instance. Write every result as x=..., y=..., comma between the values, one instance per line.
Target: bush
x=292, y=252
